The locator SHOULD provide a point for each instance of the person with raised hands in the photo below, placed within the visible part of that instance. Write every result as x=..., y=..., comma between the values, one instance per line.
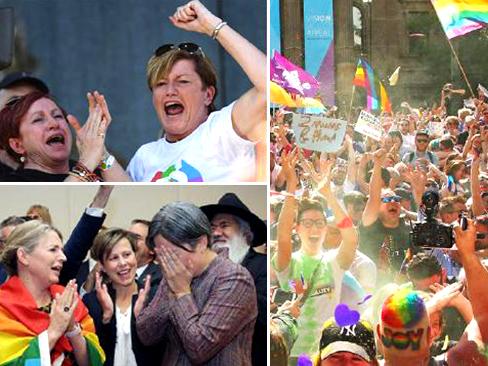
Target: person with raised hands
x=200, y=143
x=118, y=299
x=34, y=130
x=40, y=320
x=205, y=306
x=315, y=273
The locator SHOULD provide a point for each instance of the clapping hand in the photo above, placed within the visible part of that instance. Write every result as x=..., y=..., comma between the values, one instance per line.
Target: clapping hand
x=141, y=298
x=62, y=309
x=90, y=139
x=104, y=299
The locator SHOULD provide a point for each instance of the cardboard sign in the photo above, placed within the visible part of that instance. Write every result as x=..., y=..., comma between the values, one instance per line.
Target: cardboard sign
x=368, y=125
x=315, y=132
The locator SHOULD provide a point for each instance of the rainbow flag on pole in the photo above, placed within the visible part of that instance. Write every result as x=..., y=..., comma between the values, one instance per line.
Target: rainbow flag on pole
x=459, y=17
x=377, y=98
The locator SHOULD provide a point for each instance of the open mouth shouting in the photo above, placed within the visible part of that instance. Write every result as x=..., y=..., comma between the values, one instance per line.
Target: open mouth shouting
x=56, y=140
x=173, y=108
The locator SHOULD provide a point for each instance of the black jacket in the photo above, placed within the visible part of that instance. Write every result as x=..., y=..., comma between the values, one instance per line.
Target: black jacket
x=256, y=264
x=107, y=333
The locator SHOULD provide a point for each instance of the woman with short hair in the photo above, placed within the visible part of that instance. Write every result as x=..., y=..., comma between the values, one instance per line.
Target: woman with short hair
x=113, y=304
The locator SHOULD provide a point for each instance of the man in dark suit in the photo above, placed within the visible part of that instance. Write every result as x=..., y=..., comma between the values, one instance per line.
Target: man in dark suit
x=144, y=255
x=238, y=231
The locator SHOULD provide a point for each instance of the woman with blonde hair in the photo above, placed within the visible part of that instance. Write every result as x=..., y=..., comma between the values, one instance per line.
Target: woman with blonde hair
x=40, y=320
x=39, y=212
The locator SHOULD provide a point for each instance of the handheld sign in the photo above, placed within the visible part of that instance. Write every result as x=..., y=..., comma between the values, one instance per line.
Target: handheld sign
x=368, y=125
x=319, y=133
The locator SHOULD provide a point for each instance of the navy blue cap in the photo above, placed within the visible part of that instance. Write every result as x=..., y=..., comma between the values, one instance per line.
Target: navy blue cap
x=22, y=76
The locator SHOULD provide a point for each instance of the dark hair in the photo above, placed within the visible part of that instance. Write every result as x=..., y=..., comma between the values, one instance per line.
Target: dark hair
x=11, y=116
x=141, y=221
x=14, y=221
x=106, y=240
x=180, y=223
x=423, y=266
x=308, y=204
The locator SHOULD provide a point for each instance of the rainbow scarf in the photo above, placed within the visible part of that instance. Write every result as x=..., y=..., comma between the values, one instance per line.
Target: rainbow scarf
x=22, y=325
x=377, y=98
x=459, y=17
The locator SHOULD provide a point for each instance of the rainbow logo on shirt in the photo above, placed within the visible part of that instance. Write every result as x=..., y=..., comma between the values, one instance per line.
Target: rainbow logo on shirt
x=185, y=173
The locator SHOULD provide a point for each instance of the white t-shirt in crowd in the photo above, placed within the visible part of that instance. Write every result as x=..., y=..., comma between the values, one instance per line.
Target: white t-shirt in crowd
x=324, y=276
x=212, y=153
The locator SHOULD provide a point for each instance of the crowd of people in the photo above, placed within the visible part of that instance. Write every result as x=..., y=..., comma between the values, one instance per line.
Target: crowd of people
x=350, y=283
x=188, y=287
x=36, y=141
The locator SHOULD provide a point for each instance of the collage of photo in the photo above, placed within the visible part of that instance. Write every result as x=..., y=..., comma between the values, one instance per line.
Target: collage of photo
x=243, y=183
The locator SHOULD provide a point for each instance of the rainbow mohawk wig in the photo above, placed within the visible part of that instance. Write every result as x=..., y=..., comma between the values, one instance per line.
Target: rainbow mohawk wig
x=403, y=309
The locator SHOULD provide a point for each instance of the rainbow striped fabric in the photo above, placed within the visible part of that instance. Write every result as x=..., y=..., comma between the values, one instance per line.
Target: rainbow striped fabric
x=23, y=336
x=459, y=17
x=377, y=98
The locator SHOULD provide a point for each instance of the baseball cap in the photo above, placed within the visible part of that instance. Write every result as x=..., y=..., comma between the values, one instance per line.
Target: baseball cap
x=22, y=76
x=357, y=339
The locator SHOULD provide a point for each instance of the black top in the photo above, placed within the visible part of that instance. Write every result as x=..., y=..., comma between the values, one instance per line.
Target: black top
x=373, y=236
x=31, y=175
x=256, y=263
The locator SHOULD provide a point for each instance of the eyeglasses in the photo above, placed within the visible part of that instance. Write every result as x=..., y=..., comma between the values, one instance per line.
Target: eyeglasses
x=391, y=199
x=191, y=48
x=422, y=141
x=308, y=223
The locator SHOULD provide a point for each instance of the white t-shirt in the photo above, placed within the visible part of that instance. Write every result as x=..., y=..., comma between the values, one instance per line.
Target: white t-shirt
x=212, y=153
x=324, y=274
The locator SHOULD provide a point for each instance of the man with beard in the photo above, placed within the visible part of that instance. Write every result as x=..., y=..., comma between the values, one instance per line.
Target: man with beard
x=384, y=236
x=237, y=230
x=421, y=153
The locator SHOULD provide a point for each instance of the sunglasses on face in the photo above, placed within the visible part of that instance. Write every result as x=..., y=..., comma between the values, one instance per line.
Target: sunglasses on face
x=13, y=101
x=191, y=48
x=422, y=141
x=308, y=223
x=391, y=199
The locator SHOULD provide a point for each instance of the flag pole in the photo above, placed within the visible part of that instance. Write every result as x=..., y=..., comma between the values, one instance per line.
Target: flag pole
x=460, y=67
x=350, y=105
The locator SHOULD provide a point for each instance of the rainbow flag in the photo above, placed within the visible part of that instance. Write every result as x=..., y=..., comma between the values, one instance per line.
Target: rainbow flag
x=459, y=17
x=23, y=330
x=377, y=98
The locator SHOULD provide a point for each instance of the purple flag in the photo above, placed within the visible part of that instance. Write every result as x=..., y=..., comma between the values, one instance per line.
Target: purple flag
x=291, y=77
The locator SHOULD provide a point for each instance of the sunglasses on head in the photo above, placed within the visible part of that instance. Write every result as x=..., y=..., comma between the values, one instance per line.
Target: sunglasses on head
x=391, y=199
x=191, y=48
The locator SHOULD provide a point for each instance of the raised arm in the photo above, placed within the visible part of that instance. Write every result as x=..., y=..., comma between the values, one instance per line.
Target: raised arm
x=372, y=209
x=250, y=108
x=478, y=205
x=347, y=249
x=476, y=276
x=81, y=238
x=287, y=215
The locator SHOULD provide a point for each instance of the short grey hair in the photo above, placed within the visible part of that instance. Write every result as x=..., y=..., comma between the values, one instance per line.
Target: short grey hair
x=180, y=223
x=27, y=236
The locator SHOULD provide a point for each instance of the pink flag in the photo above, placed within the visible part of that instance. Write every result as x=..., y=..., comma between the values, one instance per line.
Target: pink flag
x=291, y=77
